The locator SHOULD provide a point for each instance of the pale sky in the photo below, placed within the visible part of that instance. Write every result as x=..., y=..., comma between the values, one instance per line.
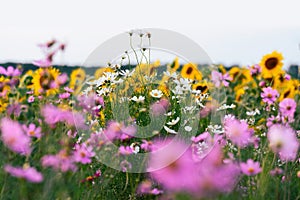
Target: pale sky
x=230, y=31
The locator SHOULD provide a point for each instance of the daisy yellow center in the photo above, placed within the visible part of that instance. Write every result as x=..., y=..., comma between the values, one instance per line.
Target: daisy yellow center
x=271, y=63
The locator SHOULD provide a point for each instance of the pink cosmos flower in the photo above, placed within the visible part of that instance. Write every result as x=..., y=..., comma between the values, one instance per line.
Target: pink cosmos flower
x=125, y=150
x=10, y=71
x=14, y=138
x=273, y=120
x=160, y=107
x=171, y=165
x=30, y=99
x=42, y=63
x=32, y=130
x=254, y=70
x=53, y=115
x=250, y=168
x=83, y=153
x=213, y=175
x=116, y=130
x=287, y=107
x=61, y=161
x=64, y=95
x=269, y=95
x=30, y=174
x=276, y=171
x=62, y=78
x=146, y=145
x=146, y=188
x=238, y=132
x=283, y=140
x=218, y=78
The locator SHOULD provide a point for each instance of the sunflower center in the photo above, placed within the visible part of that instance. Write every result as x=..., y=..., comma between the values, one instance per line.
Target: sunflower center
x=46, y=80
x=189, y=70
x=201, y=88
x=271, y=63
x=286, y=94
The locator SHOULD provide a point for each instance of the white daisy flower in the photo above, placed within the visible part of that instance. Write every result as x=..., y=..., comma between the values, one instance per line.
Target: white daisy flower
x=188, y=128
x=139, y=99
x=173, y=122
x=156, y=93
x=170, y=130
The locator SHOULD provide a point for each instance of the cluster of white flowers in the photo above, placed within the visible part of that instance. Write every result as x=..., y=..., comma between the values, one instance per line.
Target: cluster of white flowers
x=225, y=107
x=216, y=129
x=253, y=112
x=139, y=99
x=182, y=85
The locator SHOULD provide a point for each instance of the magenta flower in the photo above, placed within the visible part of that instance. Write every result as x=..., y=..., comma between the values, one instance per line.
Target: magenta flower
x=116, y=130
x=125, y=150
x=283, y=140
x=287, y=107
x=83, y=153
x=30, y=99
x=42, y=63
x=14, y=138
x=172, y=166
x=273, y=120
x=146, y=145
x=218, y=78
x=30, y=174
x=238, y=132
x=146, y=188
x=10, y=71
x=64, y=95
x=213, y=175
x=250, y=168
x=255, y=70
x=269, y=95
x=53, y=115
x=61, y=161
x=160, y=107
x=32, y=130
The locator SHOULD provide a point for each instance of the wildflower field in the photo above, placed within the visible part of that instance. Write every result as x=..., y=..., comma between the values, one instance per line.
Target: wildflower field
x=150, y=131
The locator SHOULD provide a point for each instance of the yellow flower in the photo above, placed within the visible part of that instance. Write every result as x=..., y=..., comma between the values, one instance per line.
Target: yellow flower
x=203, y=87
x=4, y=87
x=175, y=65
x=43, y=80
x=190, y=71
x=26, y=79
x=99, y=72
x=272, y=63
x=3, y=106
x=222, y=69
x=239, y=94
x=234, y=72
x=288, y=91
x=77, y=78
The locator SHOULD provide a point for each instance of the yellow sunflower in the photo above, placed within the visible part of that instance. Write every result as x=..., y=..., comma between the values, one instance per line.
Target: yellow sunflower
x=190, y=71
x=99, y=72
x=44, y=81
x=288, y=91
x=3, y=106
x=234, y=72
x=203, y=87
x=26, y=79
x=77, y=78
x=174, y=65
x=271, y=63
x=4, y=87
x=222, y=69
x=239, y=93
